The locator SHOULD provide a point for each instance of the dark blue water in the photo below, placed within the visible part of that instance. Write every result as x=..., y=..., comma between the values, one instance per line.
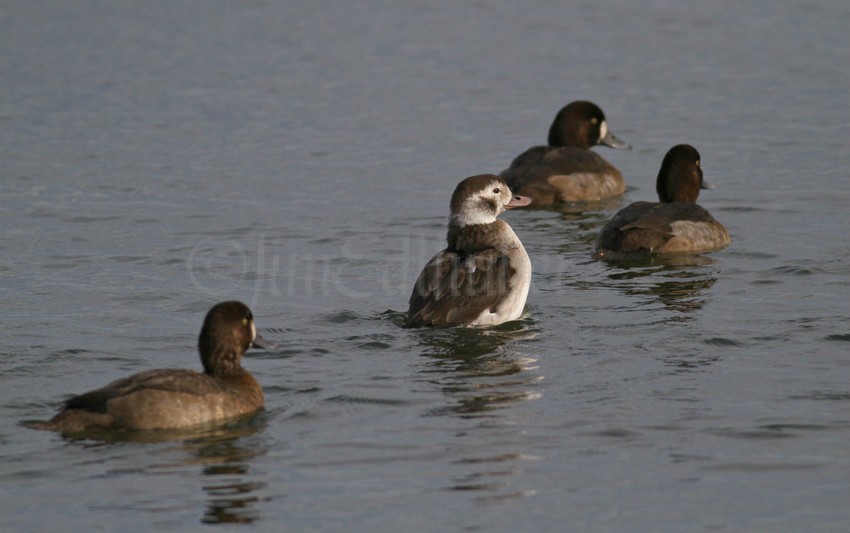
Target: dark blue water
x=159, y=157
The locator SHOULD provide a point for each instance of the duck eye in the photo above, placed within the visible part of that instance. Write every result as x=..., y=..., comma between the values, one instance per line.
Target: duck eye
x=594, y=120
x=497, y=190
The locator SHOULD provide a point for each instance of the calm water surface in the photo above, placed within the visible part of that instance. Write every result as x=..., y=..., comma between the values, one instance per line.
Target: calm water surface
x=299, y=156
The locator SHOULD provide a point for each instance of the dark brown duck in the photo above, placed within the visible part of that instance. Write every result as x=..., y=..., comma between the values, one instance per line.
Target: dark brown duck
x=567, y=170
x=177, y=398
x=674, y=224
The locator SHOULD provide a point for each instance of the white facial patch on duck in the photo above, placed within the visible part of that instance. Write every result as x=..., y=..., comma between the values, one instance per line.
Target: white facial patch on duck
x=479, y=208
x=253, y=332
x=603, y=130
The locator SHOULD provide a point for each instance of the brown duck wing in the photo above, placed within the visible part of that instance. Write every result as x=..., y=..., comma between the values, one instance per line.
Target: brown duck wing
x=564, y=174
x=568, y=160
x=524, y=169
x=454, y=289
x=635, y=228
x=646, y=226
x=174, y=380
x=663, y=214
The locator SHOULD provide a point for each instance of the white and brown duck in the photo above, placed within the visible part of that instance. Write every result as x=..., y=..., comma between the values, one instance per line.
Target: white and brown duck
x=483, y=275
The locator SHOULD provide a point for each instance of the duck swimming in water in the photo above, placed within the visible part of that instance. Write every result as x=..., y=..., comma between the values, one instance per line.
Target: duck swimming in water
x=177, y=398
x=567, y=170
x=483, y=275
x=674, y=224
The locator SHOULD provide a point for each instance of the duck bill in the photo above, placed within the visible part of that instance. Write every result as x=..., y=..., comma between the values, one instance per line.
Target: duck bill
x=612, y=141
x=707, y=186
x=518, y=201
x=262, y=343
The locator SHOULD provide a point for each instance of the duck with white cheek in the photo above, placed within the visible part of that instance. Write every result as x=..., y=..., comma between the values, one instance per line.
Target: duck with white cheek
x=173, y=398
x=567, y=170
x=483, y=275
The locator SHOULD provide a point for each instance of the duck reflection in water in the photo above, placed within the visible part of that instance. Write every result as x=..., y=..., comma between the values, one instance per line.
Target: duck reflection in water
x=682, y=285
x=480, y=368
x=670, y=281
x=224, y=452
x=483, y=373
x=232, y=494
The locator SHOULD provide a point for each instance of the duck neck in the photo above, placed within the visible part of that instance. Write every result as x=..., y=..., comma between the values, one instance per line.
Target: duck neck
x=222, y=361
x=678, y=185
x=471, y=238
